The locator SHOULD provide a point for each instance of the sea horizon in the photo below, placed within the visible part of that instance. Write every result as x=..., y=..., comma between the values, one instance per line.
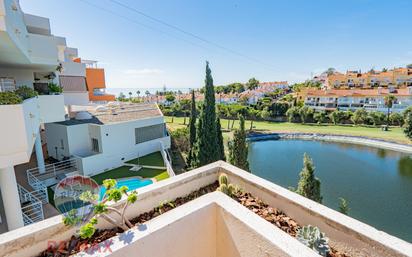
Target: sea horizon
x=126, y=90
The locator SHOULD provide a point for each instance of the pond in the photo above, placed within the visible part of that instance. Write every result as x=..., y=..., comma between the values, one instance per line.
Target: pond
x=376, y=182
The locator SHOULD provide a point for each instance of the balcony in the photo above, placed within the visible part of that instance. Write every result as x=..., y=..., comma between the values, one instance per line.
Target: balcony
x=37, y=25
x=214, y=224
x=43, y=50
x=21, y=124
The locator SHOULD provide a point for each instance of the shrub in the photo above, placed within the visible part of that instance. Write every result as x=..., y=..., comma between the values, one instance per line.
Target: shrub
x=359, y=116
x=309, y=185
x=376, y=118
x=26, y=92
x=280, y=108
x=54, y=88
x=180, y=138
x=265, y=113
x=320, y=117
x=293, y=114
x=10, y=98
x=305, y=114
x=100, y=208
x=408, y=126
x=313, y=238
x=396, y=119
x=337, y=116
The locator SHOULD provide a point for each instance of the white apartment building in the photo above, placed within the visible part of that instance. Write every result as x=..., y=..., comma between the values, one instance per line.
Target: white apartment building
x=353, y=99
x=28, y=56
x=103, y=137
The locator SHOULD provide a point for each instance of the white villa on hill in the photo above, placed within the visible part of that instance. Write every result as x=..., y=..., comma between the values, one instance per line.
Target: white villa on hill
x=104, y=137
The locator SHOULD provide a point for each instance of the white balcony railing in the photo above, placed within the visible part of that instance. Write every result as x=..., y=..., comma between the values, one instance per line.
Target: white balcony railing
x=31, y=206
x=7, y=84
x=53, y=173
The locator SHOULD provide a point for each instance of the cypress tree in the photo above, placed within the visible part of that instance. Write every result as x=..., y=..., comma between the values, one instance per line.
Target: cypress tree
x=220, y=140
x=206, y=148
x=192, y=130
x=238, y=149
x=309, y=185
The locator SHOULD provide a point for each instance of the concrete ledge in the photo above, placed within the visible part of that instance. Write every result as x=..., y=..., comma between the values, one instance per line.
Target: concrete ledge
x=345, y=233
x=212, y=225
x=334, y=138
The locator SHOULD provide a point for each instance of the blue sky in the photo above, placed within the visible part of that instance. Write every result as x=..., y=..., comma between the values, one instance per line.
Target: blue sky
x=289, y=39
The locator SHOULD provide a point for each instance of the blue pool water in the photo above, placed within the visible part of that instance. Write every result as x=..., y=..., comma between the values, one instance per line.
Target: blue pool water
x=131, y=183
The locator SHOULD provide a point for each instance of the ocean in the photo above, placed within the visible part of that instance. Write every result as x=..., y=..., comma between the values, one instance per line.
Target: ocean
x=117, y=91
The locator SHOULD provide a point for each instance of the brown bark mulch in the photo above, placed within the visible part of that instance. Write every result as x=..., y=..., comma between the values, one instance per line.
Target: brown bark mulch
x=272, y=215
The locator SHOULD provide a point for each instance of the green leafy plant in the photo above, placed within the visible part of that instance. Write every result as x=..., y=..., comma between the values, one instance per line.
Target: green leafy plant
x=407, y=130
x=164, y=205
x=26, y=92
x=10, y=98
x=103, y=210
x=54, y=88
x=313, y=238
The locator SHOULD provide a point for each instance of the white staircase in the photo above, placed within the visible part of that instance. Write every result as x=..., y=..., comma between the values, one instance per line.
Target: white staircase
x=31, y=206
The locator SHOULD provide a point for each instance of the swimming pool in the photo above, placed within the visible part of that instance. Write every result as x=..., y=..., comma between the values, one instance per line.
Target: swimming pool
x=131, y=183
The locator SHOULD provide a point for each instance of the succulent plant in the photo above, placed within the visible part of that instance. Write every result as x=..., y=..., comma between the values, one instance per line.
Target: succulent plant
x=223, y=180
x=224, y=189
x=313, y=238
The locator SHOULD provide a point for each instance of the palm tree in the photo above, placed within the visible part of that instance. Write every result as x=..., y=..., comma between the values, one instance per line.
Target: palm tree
x=138, y=93
x=389, y=101
x=130, y=95
x=147, y=95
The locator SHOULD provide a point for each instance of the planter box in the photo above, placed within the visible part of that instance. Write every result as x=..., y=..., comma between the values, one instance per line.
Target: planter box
x=224, y=216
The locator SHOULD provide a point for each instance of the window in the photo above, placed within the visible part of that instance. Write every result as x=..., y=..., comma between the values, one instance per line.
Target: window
x=7, y=84
x=145, y=134
x=95, y=145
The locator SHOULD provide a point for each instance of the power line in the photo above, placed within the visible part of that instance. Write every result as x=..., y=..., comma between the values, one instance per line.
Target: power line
x=142, y=24
x=189, y=33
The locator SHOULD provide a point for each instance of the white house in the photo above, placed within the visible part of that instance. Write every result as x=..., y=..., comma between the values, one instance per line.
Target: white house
x=28, y=54
x=104, y=137
x=353, y=99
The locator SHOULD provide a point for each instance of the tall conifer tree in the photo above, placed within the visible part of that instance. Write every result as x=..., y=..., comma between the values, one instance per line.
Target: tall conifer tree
x=206, y=148
x=238, y=149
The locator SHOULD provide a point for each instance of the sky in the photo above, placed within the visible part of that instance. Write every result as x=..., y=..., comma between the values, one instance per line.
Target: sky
x=271, y=40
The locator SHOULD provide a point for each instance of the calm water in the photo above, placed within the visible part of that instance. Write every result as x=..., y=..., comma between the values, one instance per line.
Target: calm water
x=376, y=182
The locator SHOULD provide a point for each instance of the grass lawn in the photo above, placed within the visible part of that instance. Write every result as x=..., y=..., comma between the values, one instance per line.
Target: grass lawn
x=153, y=159
x=125, y=172
x=395, y=134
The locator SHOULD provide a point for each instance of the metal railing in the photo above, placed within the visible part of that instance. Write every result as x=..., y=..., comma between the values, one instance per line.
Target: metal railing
x=32, y=213
x=54, y=171
x=31, y=206
x=7, y=84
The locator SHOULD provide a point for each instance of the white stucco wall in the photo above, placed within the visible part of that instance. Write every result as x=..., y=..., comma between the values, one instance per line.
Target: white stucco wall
x=71, y=68
x=76, y=98
x=22, y=76
x=55, y=135
x=116, y=143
